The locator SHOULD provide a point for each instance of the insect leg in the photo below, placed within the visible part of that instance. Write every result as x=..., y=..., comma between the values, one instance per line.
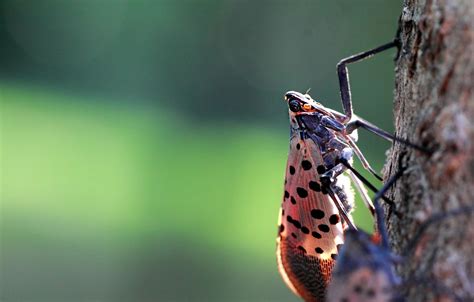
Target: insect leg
x=369, y=185
x=341, y=208
x=361, y=157
x=342, y=72
x=362, y=191
x=359, y=122
x=379, y=211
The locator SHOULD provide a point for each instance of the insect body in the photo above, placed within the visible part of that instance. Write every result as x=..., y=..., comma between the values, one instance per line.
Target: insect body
x=318, y=200
x=310, y=227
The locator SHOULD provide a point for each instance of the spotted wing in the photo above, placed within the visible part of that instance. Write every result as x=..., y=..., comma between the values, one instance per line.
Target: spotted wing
x=310, y=228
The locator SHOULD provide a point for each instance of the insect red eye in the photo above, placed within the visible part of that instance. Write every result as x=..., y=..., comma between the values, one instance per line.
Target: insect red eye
x=294, y=105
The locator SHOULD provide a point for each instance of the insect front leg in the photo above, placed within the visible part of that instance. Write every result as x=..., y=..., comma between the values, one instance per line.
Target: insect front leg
x=361, y=157
x=343, y=74
x=346, y=99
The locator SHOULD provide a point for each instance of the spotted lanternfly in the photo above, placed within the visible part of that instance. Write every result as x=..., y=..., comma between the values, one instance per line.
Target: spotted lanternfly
x=318, y=199
x=311, y=228
x=366, y=266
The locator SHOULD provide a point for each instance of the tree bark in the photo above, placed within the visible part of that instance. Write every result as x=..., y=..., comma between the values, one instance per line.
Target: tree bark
x=434, y=107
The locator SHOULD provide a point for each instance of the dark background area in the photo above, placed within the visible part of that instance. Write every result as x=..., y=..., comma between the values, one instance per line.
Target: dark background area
x=143, y=143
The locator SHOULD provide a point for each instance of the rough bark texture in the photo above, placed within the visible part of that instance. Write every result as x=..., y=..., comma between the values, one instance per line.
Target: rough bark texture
x=434, y=107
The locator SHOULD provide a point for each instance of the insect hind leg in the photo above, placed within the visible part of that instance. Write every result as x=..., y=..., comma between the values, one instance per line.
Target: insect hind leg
x=378, y=209
x=362, y=192
x=370, y=186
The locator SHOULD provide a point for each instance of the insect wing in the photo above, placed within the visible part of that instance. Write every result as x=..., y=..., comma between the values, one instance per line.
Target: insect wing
x=310, y=228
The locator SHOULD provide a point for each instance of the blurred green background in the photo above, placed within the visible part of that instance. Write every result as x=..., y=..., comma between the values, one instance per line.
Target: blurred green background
x=143, y=143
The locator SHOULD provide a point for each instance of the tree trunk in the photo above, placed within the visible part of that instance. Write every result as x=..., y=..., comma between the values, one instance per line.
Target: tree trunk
x=434, y=107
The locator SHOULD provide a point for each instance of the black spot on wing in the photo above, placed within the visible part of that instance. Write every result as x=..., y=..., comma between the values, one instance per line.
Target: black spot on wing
x=292, y=170
x=317, y=214
x=297, y=224
x=293, y=200
x=306, y=165
x=316, y=235
x=334, y=219
x=324, y=190
x=313, y=185
x=302, y=192
x=323, y=228
x=319, y=250
x=321, y=169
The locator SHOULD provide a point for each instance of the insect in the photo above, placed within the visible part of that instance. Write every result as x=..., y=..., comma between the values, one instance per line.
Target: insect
x=318, y=199
x=366, y=266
